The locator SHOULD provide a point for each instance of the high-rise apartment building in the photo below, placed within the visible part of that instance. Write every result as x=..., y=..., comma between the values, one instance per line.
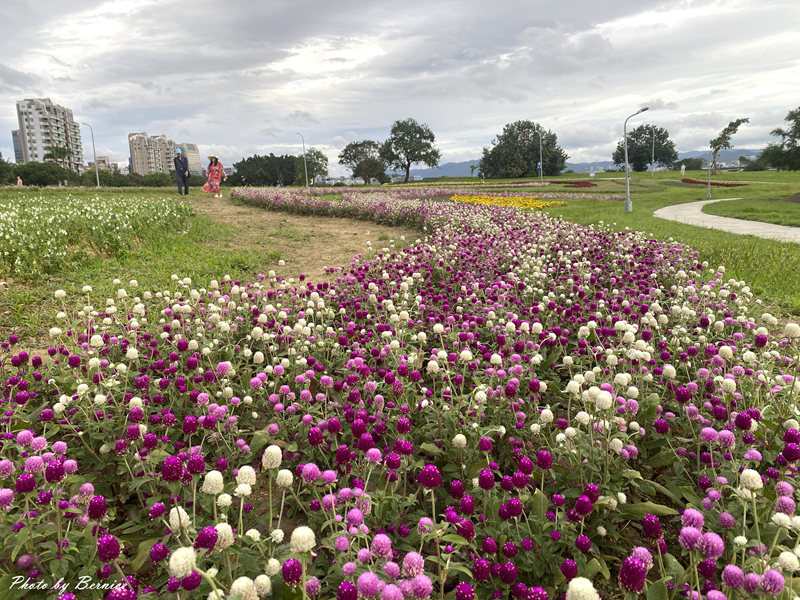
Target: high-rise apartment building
x=48, y=130
x=16, y=137
x=150, y=154
x=193, y=156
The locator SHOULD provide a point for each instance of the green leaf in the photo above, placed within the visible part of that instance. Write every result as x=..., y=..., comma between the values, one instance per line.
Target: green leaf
x=657, y=591
x=595, y=566
x=142, y=553
x=430, y=448
x=539, y=505
x=640, y=509
x=453, y=538
x=674, y=568
x=631, y=474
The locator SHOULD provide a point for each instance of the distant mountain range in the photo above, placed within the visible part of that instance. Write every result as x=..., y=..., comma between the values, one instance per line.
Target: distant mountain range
x=462, y=169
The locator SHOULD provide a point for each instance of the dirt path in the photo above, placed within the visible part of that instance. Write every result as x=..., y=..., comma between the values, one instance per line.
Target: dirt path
x=308, y=243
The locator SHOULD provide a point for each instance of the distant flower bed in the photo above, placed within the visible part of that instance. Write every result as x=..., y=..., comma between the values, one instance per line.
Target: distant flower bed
x=513, y=201
x=574, y=184
x=692, y=181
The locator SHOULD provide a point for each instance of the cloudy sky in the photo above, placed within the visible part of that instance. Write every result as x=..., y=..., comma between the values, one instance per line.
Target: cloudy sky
x=244, y=76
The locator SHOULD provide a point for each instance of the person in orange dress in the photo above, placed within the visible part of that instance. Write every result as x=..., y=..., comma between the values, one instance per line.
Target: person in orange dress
x=216, y=174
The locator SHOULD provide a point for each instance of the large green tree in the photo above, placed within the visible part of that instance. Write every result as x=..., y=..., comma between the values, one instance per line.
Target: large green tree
x=410, y=143
x=6, y=171
x=786, y=154
x=363, y=158
x=723, y=140
x=265, y=170
x=61, y=155
x=44, y=173
x=640, y=147
x=515, y=152
x=317, y=164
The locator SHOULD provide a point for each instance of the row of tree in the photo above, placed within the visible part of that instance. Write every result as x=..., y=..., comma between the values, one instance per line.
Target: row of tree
x=285, y=169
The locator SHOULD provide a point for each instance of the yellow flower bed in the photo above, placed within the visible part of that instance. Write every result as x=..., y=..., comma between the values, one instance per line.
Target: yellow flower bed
x=512, y=201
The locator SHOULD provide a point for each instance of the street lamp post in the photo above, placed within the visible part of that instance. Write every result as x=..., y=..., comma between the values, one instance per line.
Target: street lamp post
x=628, y=203
x=305, y=165
x=94, y=154
x=541, y=160
x=653, y=152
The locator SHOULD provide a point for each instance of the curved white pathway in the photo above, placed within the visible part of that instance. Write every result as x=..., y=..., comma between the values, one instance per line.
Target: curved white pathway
x=691, y=213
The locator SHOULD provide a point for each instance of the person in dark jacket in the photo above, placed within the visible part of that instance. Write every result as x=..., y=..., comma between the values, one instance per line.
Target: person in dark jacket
x=181, y=172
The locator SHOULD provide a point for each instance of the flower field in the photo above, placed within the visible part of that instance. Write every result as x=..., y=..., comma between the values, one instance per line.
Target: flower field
x=512, y=407
x=528, y=202
x=39, y=231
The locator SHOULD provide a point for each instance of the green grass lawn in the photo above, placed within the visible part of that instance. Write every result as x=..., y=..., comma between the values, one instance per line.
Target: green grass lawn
x=771, y=268
x=781, y=211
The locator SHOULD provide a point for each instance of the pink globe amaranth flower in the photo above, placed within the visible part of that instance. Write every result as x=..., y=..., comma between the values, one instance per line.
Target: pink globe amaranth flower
x=107, y=547
x=689, y=537
x=6, y=497
x=632, y=574
x=727, y=520
x=342, y=543
x=711, y=545
x=292, y=571
x=692, y=518
x=772, y=582
x=346, y=591
x=752, y=581
x=392, y=569
x=644, y=555
x=425, y=525
x=313, y=586
x=391, y=592
x=382, y=546
x=430, y=477
x=421, y=587
x=6, y=467
x=715, y=595
x=782, y=488
x=785, y=504
x=413, y=564
x=349, y=568
x=369, y=584
x=355, y=517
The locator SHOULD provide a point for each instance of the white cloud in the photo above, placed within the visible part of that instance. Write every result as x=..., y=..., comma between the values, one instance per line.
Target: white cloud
x=241, y=76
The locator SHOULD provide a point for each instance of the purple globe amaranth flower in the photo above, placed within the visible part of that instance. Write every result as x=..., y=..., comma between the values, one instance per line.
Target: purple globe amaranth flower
x=464, y=591
x=651, y=526
x=158, y=509
x=583, y=543
x=107, y=547
x=192, y=581
x=584, y=505
x=97, y=507
x=430, y=477
x=644, y=555
x=369, y=584
x=25, y=483
x=692, y=518
x=346, y=591
x=632, y=574
x=158, y=552
x=206, y=538
x=544, y=459
x=752, y=581
x=292, y=571
x=171, y=468
x=569, y=568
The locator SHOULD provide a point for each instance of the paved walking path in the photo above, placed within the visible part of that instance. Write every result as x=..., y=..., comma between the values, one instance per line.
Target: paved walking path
x=691, y=213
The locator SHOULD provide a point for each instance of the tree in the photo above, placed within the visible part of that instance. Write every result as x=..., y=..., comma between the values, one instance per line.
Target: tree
x=43, y=173
x=317, y=164
x=60, y=155
x=6, y=171
x=786, y=154
x=265, y=170
x=515, y=152
x=371, y=168
x=692, y=164
x=356, y=153
x=640, y=148
x=409, y=143
x=723, y=140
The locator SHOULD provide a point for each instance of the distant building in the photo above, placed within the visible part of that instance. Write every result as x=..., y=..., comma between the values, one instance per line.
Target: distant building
x=193, y=156
x=150, y=154
x=16, y=137
x=228, y=171
x=44, y=128
x=104, y=164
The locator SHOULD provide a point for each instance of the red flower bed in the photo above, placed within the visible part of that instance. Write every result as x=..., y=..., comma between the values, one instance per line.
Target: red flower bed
x=575, y=184
x=713, y=183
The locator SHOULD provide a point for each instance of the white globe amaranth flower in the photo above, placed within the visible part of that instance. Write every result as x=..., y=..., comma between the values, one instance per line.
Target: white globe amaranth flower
x=546, y=416
x=224, y=500
x=792, y=330
x=213, y=483
x=246, y=474
x=216, y=595
x=788, y=561
x=182, y=562
x=273, y=567
x=303, y=539
x=284, y=479
x=179, y=519
x=782, y=520
x=263, y=586
x=253, y=534
x=243, y=588
x=460, y=441
x=224, y=535
x=243, y=490
x=583, y=418
x=750, y=479
x=740, y=541
x=272, y=457
x=581, y=588
x=604, y=400
x=60, y=294
x=276, y=536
